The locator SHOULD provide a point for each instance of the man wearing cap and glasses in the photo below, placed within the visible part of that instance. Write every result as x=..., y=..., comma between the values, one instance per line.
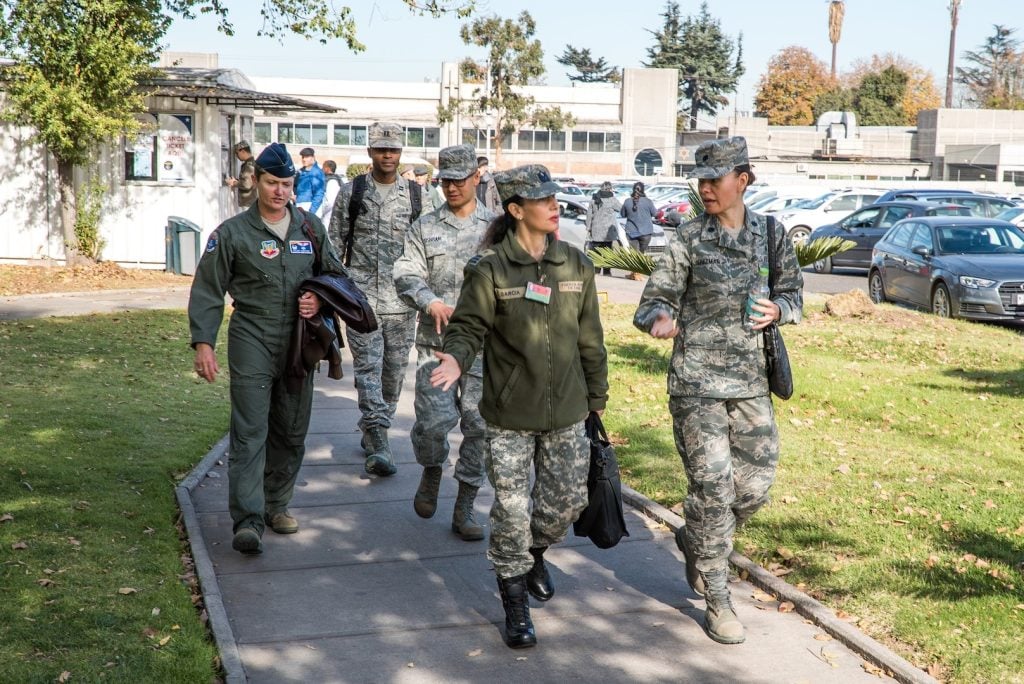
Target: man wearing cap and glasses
x=245, y=184
x=368, y=224
x=260, y=257
x=309, y=186
x=428, y=278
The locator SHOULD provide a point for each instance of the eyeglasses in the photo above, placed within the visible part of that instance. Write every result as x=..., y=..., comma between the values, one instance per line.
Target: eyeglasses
x=456, y=182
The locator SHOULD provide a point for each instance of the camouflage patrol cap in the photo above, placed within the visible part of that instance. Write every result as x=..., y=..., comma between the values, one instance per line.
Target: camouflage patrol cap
x=717, y=158
x=529, y=182
x=456, y=162
x=384, y=134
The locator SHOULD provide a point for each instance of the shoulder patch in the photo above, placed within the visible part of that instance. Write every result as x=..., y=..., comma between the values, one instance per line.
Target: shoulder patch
x=211, y=244
x=475, y=259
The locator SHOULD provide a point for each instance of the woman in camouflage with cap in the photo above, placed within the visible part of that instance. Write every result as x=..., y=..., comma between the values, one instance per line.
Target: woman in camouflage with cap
x=529, y=300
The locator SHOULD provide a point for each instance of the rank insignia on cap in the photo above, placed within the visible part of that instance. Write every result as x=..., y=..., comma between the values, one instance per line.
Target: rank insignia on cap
x=269, y=249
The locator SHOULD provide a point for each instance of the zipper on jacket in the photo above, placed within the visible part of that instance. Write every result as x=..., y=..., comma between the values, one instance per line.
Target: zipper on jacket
x=541, y=277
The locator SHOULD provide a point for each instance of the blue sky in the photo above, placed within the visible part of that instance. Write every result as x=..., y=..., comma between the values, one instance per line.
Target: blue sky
x=403, y=46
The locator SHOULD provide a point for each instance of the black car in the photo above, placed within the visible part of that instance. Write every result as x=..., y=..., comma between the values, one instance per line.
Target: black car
x=954, y=266
x=865, y=226
x=980, y=205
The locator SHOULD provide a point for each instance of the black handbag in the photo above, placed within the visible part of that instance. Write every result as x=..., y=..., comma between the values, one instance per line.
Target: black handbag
x=602, y=520
x=780, y=375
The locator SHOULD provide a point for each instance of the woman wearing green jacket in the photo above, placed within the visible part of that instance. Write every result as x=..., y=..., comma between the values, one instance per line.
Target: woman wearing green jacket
x=529, y=300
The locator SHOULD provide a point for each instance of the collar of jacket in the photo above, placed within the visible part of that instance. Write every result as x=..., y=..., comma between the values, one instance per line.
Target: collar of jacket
x=554, y=253
x=711, y=229
x=479, y=214
x=401, y=189
x=252, y=215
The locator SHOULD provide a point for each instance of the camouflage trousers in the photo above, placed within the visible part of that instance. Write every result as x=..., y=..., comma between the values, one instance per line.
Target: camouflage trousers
x=559, y=461
x=730, y=448
x=379, y=360
x=437, y=412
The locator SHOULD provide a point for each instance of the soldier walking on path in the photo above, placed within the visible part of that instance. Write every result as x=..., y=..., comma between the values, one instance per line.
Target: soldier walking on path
x=722, y=414
x=260, y=257
x=529, y=301
x=428, y=278
x=368, y=224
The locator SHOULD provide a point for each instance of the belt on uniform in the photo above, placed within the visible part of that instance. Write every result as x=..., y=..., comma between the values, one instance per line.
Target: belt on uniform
x=253, y=310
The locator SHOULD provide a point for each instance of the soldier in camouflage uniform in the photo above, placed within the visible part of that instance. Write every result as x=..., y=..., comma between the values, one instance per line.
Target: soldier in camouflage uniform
x=428, y=277
x=529, y=300
x=722, y=413
x=379, y=358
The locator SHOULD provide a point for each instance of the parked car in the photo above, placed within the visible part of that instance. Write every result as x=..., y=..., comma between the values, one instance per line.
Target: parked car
x=572, y=229
x=987, y=206
x=1014, y=215
x=962, y=267
x=828, y=208
x=771, y=205
x=867, y=225
x=919, y=193
x=669, y=214
x=662, y=191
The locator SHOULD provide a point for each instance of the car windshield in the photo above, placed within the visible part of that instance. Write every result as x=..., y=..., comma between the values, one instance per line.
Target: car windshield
x=980, y=239
x=816, y=202
x=1010, y=214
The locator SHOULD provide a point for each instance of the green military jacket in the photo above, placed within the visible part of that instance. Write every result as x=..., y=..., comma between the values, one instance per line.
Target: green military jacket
x=437, y=248
x=545, y=365
x=702, y=281
x=261, y=272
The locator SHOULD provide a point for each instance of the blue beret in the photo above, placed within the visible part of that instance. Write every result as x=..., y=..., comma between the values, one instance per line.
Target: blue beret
x=275, y=160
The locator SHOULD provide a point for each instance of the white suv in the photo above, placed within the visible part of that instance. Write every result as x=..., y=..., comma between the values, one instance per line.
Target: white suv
x=828, y=208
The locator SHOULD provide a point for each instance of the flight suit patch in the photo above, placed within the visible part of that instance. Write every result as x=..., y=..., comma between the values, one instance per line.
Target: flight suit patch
x=269, y=249
x=211, y=244
x=570, y=286
x=300, y=247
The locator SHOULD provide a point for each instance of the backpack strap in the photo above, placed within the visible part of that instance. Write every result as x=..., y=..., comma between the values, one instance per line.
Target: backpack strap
x=355, y=207
x=416, y=200
x=773, y=266
x=308, y=231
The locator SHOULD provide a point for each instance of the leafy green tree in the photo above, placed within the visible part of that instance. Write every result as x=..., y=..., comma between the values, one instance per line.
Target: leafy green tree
x=835, y=99
x=995, y=78
x=588, y=69
x=878, y=100
x=702, y=54
x=788, y=90
x=79, y=67
x=514, y=59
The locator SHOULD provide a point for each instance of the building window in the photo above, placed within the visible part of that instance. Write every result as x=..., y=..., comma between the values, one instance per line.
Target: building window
x=422, y=137
x=596, y=141
x=261, y=133
x=647, y=162
x=478, y=138
x=1015, y=177
x=349, y=136
x=542, y=140
x=163, y=151
x=579, y=141
x=432, y=137
x=302, y=134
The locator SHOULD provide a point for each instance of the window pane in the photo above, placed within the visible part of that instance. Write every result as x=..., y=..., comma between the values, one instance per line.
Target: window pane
x=596, y=142
x=414, y=137
x=359, y=136
x=541, y=140
x=261, y=133
x=557, y=140
x=284, y=133
x=302, y=134
x=579, y=141
x=342, y=135
x=613, y=142
x=526, y=140
x=319, y=134
x=469, y=136
x=431, y=137
x=506, y=141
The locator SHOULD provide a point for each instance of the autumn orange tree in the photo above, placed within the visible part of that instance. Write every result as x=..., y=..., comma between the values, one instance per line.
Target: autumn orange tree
x=921, y=92
x=786, y=93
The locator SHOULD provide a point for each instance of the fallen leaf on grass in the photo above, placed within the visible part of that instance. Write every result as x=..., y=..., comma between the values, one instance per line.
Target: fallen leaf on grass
x=785, y=553
x=931, y=561
x=474, y=653
x=149, y=632
x=74, y=542
x=64, y=676
x=846, y=617
x=127, y=590
x=19, y=546
x=989, y=503
x=45, y=582
x=843, y=468
x=156, y=611
x=786, y=607
x=6, y=517
x=163, y=642
x=82, y=505
x=790, y=500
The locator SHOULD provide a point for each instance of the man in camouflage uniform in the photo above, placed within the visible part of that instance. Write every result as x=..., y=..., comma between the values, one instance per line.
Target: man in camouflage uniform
x=379, y=358
x=428, y=277
x=530, y=302
x=722, y=413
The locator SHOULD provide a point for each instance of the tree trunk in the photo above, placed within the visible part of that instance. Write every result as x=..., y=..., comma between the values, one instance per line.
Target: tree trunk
x=68, y=212
x=834, y=45
x=694, y=109
x=950, y=63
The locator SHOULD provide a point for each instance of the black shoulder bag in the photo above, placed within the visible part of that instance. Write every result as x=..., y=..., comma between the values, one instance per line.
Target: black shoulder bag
x=602, y=520
x=780, y=375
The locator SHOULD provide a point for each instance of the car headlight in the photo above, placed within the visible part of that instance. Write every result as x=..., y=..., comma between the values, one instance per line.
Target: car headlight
x=971, y=281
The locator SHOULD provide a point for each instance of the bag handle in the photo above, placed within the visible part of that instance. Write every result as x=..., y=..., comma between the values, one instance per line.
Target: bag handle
x=595, y=428
x=773, y=266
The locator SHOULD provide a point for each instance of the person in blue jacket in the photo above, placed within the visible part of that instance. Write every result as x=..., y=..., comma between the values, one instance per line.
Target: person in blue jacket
x=639, y=212
x=309, y=186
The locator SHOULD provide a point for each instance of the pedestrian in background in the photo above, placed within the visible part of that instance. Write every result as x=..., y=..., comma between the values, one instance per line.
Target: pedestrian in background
x=245, y=182
x=722, y=415
x=486, y=190
x=370, y=236
x=309, y=187
x=602, y=219
x=332, y=184
x=639, y=212
x=428, y=278
x=530, y=303
x=260, y=257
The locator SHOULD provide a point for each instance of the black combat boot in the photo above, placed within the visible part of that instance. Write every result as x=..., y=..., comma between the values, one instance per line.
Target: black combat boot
x=720, y=621
x=538, y=579
x=515, y=600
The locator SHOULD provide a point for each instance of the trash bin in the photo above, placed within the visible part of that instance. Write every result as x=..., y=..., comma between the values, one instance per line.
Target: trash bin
x=182, y=246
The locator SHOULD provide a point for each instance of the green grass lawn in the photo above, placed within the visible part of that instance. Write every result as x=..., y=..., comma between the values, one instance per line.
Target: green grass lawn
x=898, y=502
x=100, y=417
x=900, y=494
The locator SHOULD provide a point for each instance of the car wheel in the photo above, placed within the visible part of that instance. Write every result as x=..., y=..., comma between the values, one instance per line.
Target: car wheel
x=942, y=305
x=799, y=234
x=876, y=288
x=823, y=265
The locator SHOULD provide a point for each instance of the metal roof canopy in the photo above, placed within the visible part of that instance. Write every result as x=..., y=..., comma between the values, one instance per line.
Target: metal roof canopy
x=224, y=87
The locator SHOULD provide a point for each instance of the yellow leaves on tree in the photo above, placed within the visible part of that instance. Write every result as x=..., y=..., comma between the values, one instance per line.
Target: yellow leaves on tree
x=786, y=92
x=921, y=93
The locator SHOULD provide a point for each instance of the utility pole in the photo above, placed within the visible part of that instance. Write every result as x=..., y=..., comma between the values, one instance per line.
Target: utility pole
x=954, y=18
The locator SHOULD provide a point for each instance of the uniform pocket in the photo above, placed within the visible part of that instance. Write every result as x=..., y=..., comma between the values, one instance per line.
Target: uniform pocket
x=510, y=385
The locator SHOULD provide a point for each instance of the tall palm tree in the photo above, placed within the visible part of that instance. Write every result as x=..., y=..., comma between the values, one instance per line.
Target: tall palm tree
x=954, y=19
x=836, y=9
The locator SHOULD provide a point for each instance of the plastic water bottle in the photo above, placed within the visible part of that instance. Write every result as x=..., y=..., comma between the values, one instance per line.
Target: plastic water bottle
x=760, y=290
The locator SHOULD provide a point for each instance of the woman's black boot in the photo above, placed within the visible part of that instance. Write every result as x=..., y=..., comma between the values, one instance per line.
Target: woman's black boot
x=514, y=599
x=538, y=580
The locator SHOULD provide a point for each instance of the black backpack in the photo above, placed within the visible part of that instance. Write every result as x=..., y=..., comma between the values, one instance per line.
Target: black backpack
x=355, y=207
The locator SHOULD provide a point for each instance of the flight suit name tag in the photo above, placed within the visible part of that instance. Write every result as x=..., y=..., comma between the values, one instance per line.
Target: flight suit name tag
x=538, y=293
